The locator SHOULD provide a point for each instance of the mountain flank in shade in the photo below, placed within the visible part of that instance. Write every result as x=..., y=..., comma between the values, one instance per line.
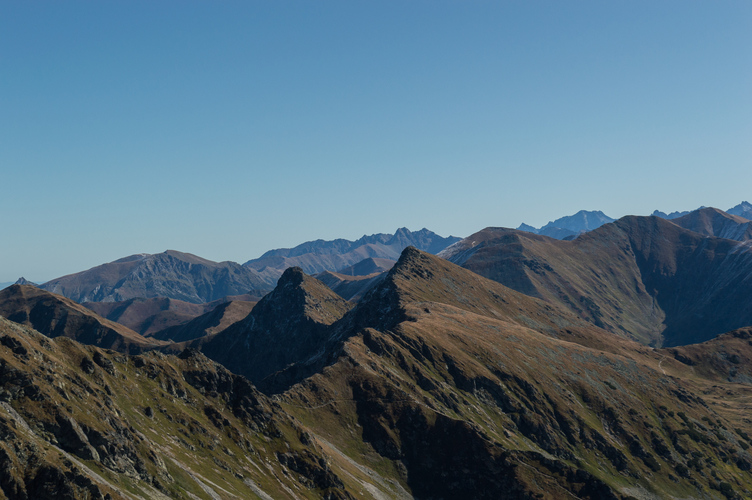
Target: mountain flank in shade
x=368, y=266
x=56, y=316
x=208, y=324
x=351, y=288
x=148, y=316
x=288, y=324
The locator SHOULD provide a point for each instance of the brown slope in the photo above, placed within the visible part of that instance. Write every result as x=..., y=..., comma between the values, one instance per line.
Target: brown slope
x=208, y=324
x=458, y=384
x=288, y=324
x=715, y=222
x=170, y=274
x=641, y=277
x=56, y=316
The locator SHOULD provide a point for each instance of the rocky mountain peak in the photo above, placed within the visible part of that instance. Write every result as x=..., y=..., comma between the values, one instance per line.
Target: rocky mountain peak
x=292, y=277
x=289, y=324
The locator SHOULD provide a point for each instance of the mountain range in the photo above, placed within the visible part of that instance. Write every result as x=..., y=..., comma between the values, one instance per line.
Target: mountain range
x=439, y=383
x=616, y=364
x=570, y=226
x=319, y=256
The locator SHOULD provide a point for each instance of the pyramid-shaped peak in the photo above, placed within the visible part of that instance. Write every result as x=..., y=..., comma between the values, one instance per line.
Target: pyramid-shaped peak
x=301, y=296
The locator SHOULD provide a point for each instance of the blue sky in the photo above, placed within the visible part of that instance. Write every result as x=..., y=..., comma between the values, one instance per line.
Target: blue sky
x=229, y=128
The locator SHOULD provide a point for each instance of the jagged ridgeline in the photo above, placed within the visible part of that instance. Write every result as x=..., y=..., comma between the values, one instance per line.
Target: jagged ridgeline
x=439, y=383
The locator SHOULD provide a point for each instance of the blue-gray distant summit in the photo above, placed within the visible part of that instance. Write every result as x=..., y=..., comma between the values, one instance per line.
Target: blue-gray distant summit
x=571, y=225
x=743, y=209
x=320, y=255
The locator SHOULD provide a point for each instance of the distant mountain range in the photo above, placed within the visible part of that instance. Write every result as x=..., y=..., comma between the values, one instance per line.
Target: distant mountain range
x=319, y=256
x=568, y=227
x=571, y=225
x=188, y=278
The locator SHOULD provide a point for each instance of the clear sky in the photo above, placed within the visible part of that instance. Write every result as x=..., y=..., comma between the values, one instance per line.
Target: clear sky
x=229, y=128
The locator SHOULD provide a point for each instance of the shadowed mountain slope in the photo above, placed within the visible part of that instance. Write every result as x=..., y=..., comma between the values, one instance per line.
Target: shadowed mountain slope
x=171, y=274
x=288, y=324
x=726, y=358
x=349, y=287
x=148, y=316
x=319, y=256
x=208, y=324
x=467, y=389
x=56, y=316
x=714, y=222
x=641, y=277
